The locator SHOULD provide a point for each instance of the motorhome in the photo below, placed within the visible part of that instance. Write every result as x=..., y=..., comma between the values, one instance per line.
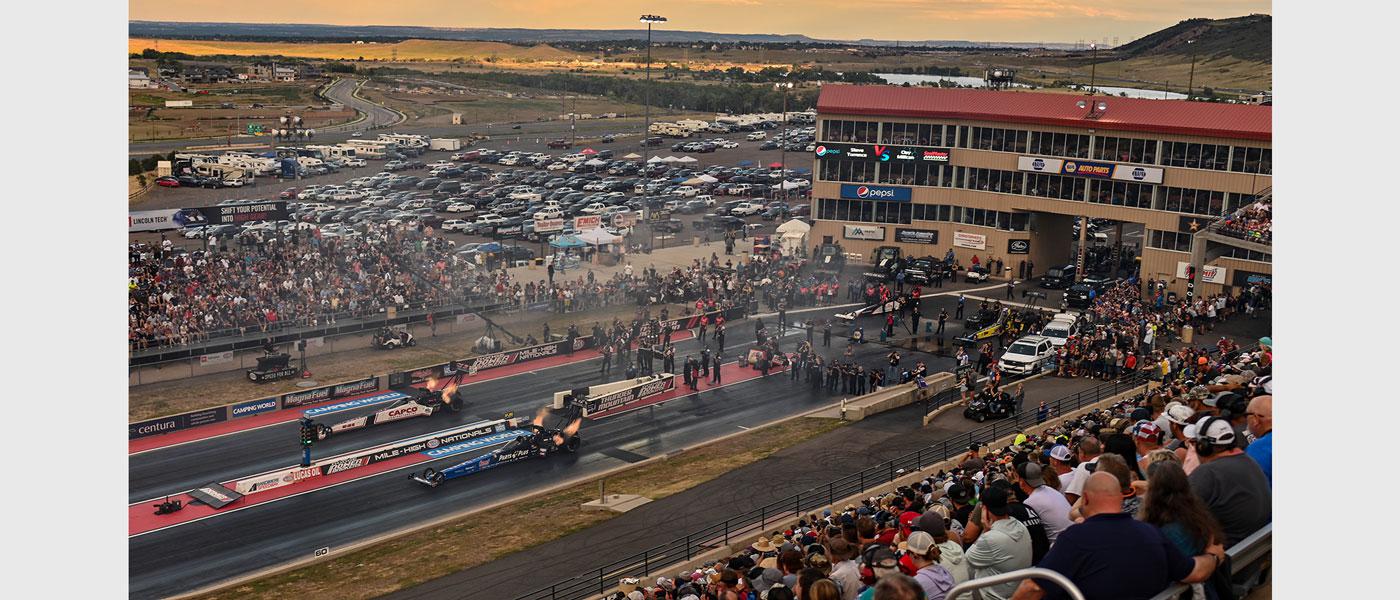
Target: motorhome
x=693, y=124
x=372, y=148
x=406, y=140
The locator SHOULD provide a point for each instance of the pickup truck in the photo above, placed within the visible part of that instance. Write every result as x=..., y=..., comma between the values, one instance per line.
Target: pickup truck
x=559, y=143
x=745, y=209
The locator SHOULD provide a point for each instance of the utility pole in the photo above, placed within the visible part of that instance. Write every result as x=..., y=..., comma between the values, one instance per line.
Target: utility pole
x=649, y=19
x=1191, y=81
x=1093, y=66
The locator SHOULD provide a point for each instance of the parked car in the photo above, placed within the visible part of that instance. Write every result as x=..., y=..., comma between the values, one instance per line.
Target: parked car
x=1026, y=355
x=167, y=181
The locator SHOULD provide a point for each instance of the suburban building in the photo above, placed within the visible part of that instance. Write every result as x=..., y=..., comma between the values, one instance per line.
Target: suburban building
x=1007, y=175
x=267, y=71
x=139, y=80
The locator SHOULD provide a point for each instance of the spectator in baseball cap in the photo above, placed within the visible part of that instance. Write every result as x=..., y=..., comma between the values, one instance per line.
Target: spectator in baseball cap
x=1230, y=483
x=1147, y=436
x=950, y=550
x=1004, y=546
x=929, y=572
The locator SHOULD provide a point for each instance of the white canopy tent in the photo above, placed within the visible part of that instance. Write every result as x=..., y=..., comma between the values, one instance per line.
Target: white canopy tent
x=595, y=163
x=687, y=159
x=597, y=237
x=707, y=178
x=631, y=156
x=656, y=159
x=670, y=159
x=793, y=236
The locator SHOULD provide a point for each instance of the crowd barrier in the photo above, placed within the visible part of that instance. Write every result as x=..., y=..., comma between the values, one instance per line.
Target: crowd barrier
x=721, y=535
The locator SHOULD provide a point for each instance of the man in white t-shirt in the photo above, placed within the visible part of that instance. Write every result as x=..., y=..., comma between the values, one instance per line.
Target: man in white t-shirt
x=1089, y=451
x=1059, y=461
x=1047, y=501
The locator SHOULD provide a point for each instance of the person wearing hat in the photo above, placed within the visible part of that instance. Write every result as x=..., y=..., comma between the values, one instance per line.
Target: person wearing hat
x=1060, y=459
x=929, y=572
x=950, y=551
x=961, y=498
x=764, y=546
x=1113, y=555
x=1230, y=483
x=880, y=562
x=1178, y=417
x=844, y=570
x=1146, y=438
x=1089, y=450
x=1004, y=546
x=1048, y=502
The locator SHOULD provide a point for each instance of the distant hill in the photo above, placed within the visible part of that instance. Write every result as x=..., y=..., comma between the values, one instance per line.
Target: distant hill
x=1247, y=38
x=326, y=33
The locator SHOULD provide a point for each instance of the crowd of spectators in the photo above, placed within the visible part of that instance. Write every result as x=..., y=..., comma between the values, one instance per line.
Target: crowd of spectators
x=1253, y=222
x=1124, y=502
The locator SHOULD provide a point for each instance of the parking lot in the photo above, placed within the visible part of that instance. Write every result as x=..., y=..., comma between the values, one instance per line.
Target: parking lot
x=498, y=189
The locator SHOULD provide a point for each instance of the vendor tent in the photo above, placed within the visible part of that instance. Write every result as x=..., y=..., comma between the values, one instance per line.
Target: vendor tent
x=687, y=159
x=632, y=156
x=794, y=236
x=775, y=165
x=694, y=181
x=656, y=159
x=567, y=241
x=707, y=179
x=588, y=151
x=597, y=237
x=593, y=162
x=669, y=159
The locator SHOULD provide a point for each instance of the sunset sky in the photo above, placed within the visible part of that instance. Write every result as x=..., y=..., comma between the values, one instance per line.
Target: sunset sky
x=978, y=20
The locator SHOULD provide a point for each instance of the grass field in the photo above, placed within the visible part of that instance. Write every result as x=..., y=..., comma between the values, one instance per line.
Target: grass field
x=476, y=540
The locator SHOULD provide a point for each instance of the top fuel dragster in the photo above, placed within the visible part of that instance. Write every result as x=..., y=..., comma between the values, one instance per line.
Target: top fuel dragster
x=540, y=442
x=426, y=403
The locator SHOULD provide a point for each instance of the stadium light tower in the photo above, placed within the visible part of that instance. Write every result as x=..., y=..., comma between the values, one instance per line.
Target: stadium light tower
x=1191, y=81
x=1093, y=66
x=649, y=20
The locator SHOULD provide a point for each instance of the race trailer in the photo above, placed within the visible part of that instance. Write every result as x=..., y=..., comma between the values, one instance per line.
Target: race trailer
x=426, y=403
x=540, y=442
x=610, y=397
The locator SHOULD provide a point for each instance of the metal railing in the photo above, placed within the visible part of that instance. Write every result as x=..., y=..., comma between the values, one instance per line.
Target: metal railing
x=721, y=534
x=1247, y=554
x=967, y=587
x=1218, y=226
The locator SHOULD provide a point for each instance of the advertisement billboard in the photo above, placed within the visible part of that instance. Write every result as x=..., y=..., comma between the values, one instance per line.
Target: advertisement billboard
x=969, y=240
x=244, y=213
x=1207, y=273
x=876, y=192
x=1137, y=174
x=1090, y=169
x=865, y=232
x=548, y=225
x=176, y=422
x=1093, y=170
x=151, y=220
x=915, y=236
x=1018, y=246
x=883, y=153
x=582, y=223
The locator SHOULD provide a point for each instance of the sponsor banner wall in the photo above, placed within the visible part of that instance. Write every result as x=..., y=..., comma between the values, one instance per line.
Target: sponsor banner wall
x=218, y=358
x=151, y=220
x=587, y=222
x=876, y=192
x=248, y=409
x=1018, y=246
x=244, y=213
x=177, y=422
x=548, y=225
x=969, y=240
x=1037, y=164
x=1138, y=174
x=1244, y=278
x=330, y=392
x=883, y=152
x=1093, y=170
x=915, y=236
x=623, y=398
x=865, y=232
x=1206, y=274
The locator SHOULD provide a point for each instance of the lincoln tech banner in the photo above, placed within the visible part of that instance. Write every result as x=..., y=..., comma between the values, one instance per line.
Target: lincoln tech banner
x=151, y=220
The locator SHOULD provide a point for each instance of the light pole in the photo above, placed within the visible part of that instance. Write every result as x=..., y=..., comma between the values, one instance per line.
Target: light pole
x=782, y=179
x=1093, y=66
x=1191, y=81
x=649, y=20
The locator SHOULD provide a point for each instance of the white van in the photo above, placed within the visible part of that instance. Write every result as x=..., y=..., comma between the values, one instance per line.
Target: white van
x=1026, y=355
x=1060, y=328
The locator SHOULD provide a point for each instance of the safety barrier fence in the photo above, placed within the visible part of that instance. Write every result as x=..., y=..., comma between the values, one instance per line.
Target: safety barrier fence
x=715, y=535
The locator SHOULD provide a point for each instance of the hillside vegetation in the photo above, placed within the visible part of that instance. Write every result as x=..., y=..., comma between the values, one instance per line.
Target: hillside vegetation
x=404, y=51
x=1248, y=38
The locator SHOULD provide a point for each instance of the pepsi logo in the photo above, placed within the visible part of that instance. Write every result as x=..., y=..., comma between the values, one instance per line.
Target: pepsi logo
x=862, y=191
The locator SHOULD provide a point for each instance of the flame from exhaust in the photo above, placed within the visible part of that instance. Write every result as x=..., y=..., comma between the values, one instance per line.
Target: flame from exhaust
x=447, y=393
x=573, y=427
x=558, y=440
x=431, y=383
x=539, y=416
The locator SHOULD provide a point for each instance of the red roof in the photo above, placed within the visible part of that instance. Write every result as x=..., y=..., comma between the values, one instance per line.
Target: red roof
x=1178, y=117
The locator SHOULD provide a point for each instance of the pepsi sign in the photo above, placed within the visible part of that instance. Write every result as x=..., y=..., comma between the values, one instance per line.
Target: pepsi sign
x=876, y=192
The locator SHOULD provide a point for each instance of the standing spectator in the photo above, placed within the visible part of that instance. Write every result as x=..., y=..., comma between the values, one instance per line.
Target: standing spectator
x=1230, y=483
x=1112, y=556
x=1260, y=419
x=1004, y=547
x=715, y=367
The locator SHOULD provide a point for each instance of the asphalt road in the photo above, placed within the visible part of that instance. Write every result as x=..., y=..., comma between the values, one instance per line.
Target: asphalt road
x=343, y=91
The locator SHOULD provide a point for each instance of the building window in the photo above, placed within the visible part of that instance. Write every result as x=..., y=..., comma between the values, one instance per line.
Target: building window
x=1196, y=156
x=994, y=180
x=1252, y=160
x=918, y=173
x=1130, y=150
x=996, y=139
x=1194, y=202
x=1121, y=193
x=913, y=134
x=857, y=171
x=1054, y=186
x=1169, y=240
x=1069, y=145
x=1242, y=254
x=859, y=132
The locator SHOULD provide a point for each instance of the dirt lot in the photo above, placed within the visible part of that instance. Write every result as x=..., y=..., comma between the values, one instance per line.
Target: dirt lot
x=252, y=103
x=479, y=539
